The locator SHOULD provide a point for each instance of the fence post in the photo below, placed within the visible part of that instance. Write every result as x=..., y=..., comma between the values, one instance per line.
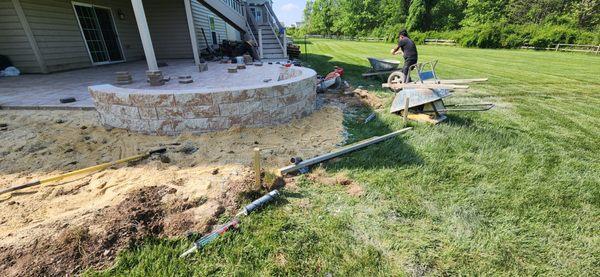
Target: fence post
x=598, y=50
x=557, y=47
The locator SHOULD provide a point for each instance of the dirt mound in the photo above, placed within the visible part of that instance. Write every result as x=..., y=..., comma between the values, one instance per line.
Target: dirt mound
x=144, y=213
x=62, y=228
x=140, y=215
x=319, y=175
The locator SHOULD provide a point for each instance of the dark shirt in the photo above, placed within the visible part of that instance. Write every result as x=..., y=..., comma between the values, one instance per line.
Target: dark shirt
x=409, y=48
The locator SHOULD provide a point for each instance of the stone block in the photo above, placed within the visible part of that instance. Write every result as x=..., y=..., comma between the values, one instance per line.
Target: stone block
x=196, y=125
x=242, y=120
x=102, y=108
x=279, y=90
x=171, y=113
x=194, y=99
x=152, y=100
x=125, y=112
x=138, y=125
x=110, y=98
x=249, y=107
x=148, y=113
x=271, y=104
x=229, y=109
x=219, y=123
x=289, y=99
x=264, y=93
x=161, y=127
x=201, y=111
x=109, y=119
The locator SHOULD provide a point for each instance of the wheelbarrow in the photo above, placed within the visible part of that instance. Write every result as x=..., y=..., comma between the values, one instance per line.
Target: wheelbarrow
x=426, y=78
x=381, y=67
x=427, y=105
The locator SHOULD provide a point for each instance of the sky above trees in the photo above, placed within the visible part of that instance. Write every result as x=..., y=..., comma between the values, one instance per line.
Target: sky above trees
x=289, y=11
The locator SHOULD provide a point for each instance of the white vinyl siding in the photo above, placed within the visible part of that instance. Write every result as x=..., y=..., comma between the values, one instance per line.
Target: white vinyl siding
x=201, y=20
x=13, y=41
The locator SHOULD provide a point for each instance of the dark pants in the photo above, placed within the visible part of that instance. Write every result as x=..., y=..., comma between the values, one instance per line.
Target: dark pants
x=408, y=62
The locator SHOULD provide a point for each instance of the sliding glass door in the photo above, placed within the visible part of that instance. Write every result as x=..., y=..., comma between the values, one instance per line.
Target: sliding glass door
x=98, y=29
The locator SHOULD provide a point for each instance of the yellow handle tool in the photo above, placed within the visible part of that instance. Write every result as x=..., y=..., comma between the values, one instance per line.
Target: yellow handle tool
x=84, y=170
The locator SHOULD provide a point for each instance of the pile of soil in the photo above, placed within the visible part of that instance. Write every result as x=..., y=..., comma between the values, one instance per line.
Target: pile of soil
x=63, y=228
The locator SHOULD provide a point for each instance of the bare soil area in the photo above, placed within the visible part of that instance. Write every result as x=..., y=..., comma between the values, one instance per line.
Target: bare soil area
x=63, y=228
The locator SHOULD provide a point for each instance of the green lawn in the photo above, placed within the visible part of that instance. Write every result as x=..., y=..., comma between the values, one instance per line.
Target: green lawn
x=513, y=191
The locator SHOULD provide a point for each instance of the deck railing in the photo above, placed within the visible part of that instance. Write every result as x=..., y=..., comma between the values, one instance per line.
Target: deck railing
x=236, y=5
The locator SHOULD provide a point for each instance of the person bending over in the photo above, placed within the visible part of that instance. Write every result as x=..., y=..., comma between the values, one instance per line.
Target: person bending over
x=409, y=49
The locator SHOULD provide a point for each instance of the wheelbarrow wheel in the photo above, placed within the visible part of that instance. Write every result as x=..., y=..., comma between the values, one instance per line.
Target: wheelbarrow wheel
x=397, y=77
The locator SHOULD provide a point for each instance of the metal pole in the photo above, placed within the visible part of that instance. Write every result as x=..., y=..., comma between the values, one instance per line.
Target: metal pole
x=341, y=151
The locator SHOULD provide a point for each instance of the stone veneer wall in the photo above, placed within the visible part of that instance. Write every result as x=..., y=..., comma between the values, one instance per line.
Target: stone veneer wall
x=164, y=112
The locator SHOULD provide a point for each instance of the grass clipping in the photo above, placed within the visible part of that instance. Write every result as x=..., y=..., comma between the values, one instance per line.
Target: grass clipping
x=61, y=229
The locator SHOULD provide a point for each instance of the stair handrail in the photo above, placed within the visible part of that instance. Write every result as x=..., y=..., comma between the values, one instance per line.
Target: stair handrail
x=274, y=16
x=271, y=17
x=250, y=23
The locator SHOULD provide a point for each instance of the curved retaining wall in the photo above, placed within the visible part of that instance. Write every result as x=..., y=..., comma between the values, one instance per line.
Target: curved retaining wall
x=172, y=112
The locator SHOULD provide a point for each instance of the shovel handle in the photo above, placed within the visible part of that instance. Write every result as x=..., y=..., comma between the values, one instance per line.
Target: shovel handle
x=19, y=187
x=158, y=151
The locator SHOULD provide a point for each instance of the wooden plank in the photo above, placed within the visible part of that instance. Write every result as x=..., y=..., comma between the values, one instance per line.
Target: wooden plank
x=429, y=86
x=457, y=81
x=342, y=151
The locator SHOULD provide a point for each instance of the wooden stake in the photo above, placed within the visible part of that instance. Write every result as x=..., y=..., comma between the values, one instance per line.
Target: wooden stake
x=257, y=166
x=406, y=105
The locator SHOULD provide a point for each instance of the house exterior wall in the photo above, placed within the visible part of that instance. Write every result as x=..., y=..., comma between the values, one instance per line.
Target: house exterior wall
x=168, y=28
x=55, y=27
x=201, y=16
x=56, y=30
x=13, y=41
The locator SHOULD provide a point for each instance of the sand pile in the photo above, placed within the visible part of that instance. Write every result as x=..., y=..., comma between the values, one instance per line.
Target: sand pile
x=198, y=179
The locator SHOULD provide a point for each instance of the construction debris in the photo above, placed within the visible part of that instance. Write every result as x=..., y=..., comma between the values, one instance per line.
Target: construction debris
x=232, y=70
x=345, y=150
x=123, y=78
x=185, y=79
x=203, y=66
x=233, y=224
x=427, y=93
x=83, y=171
x=155, y=78
x=67, y=100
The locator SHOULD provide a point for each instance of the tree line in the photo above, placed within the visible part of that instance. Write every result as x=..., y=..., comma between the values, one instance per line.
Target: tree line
x=479, y=23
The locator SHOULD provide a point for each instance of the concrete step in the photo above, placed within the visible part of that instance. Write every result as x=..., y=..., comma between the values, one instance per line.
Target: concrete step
x=273, y=56
x=272, y=51
x=272, y=46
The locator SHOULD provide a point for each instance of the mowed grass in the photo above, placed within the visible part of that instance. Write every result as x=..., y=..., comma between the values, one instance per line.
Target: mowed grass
x=512, y=191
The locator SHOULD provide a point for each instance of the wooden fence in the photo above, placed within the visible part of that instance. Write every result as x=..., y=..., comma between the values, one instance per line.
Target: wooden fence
x=437, y=41
x=347, y=38
x=565, y=47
